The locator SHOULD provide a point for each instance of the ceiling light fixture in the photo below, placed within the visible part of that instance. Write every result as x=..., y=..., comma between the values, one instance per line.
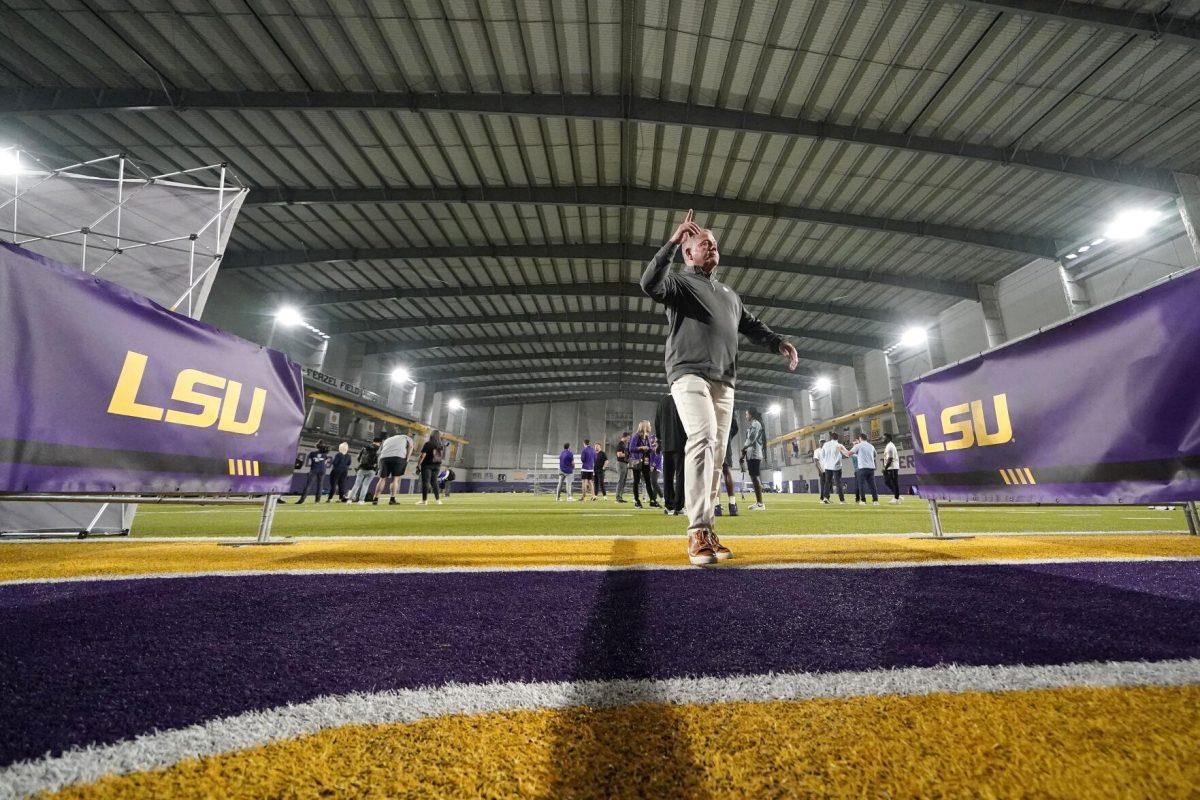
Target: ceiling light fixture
x=1132, y=223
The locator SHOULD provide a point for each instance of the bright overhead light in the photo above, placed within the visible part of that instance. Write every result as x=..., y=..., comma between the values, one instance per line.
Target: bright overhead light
x=913, y=337
x=455, y=404
x=773, y=409
x=1084, y=248
x=10, y=161
x=823, y=384
x=1132, y=223
x=401, y=375
x=289, y=316
x=1101, y=240
x=1072, y=256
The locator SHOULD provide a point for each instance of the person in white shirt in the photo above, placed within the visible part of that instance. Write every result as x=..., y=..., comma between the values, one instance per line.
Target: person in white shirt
x=817, y=463
x=891, y=468
x=831, y=466
x=864, y=473
x=393, y=458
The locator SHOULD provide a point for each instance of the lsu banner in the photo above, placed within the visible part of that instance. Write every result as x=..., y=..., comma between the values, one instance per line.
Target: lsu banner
x=1104, y=408
x=105, y=391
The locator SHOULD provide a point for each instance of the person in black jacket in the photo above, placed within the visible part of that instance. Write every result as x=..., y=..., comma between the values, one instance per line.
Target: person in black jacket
x=622, y=465
x=727, y=471
x=671, y=438
x=368, y=462
x=339, y=468
x=601, y=460
x=317, y=460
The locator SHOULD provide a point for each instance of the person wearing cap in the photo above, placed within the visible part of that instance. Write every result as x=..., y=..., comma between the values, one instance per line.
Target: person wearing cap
x=368, y=460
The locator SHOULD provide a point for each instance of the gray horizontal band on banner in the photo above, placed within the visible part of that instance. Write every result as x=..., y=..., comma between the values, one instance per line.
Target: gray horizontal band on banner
x=47, y=454
x=1162, y=470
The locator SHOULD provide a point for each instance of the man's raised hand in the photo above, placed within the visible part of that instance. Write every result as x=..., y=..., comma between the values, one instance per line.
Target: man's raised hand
x=686, y=229
x=788, y=349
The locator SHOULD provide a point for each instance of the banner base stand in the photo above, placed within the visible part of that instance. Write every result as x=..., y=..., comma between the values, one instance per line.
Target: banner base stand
x=942, y=538
x=936, y=519
x=253, y=543
x=1192, y=515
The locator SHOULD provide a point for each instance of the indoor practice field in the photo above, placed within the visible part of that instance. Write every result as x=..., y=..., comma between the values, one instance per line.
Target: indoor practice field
x=886, y=311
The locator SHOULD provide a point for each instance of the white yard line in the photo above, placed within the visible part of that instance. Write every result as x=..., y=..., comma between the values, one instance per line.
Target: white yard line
x=162, y=749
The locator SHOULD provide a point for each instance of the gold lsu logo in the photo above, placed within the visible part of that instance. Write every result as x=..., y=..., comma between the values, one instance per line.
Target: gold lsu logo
x=218, y=409
x=968, y=424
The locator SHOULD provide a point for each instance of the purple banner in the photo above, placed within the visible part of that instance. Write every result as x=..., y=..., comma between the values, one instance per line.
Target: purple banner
x=1103, y=408
x=106, y=391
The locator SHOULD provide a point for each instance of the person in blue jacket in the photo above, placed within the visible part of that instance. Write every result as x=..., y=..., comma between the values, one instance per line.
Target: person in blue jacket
x=566, y=470
x=318, y=462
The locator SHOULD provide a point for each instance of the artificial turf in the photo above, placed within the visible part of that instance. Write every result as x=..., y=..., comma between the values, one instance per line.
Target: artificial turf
x=479, y=514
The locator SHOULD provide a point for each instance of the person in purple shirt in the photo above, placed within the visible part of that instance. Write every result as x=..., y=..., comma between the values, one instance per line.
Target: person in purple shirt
x=656, y=465
x=566, y=468
x=640, y=447
x=587, y=471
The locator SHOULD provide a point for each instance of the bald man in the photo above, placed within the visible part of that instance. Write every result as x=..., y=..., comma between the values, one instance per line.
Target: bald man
x=704, y=317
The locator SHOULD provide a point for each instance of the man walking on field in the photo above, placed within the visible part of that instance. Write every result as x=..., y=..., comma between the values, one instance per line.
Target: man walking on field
x=704, y=317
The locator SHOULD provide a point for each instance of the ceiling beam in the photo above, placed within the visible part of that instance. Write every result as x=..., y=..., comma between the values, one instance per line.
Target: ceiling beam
x=608, y=365
x=338, y=327
x=485, y=378
x=635, y=197
x=424, y=366
x=43, y=101
x=256, y=259
x=388, y=348
x=1158, y=27
x=339, y=297
x=614, y=392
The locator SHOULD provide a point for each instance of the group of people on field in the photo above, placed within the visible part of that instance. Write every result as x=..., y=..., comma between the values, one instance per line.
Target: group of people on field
x=828, y=459
x=386, y=457
x=654, y=455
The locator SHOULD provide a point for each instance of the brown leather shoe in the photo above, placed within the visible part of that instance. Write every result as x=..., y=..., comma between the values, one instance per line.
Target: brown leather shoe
x=719, y=550
x=700, y=552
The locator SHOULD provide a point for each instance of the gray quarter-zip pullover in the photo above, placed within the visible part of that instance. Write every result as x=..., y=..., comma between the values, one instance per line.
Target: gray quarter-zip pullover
x=705, y=317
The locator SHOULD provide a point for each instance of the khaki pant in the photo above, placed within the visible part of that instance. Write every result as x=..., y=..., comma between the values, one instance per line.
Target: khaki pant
x=706, y=409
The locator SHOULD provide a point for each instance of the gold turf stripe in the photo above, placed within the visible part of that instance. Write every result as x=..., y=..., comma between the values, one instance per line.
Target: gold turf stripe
x=1078, y=742
x=43, y=560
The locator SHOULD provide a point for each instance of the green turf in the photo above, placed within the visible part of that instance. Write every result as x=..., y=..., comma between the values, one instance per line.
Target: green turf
x=474, y=514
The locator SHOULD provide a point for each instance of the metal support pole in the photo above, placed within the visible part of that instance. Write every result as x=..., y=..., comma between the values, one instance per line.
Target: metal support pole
x=83, y=533
x=936, y=519
x=120, y=196
x=269, y=503
x=1192, y=514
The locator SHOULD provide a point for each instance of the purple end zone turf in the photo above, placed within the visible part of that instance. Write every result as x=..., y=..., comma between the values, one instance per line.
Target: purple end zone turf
x=103, y=661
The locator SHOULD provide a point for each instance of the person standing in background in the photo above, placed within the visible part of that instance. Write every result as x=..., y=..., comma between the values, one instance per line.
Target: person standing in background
x=727, y=472
x=656, y=462
x=622, y=466
x=429, y=464
x=601, y=462
x=393, y=460
x=587, y=472
x=368, y=460
x=445, y=478
x=831, y=462
x=752, y=451
x=672, y=439
x=640, y=448
x=566, y=469
x=891, y=468
x=318, y=461
x=339, y=468
x=863, y=453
